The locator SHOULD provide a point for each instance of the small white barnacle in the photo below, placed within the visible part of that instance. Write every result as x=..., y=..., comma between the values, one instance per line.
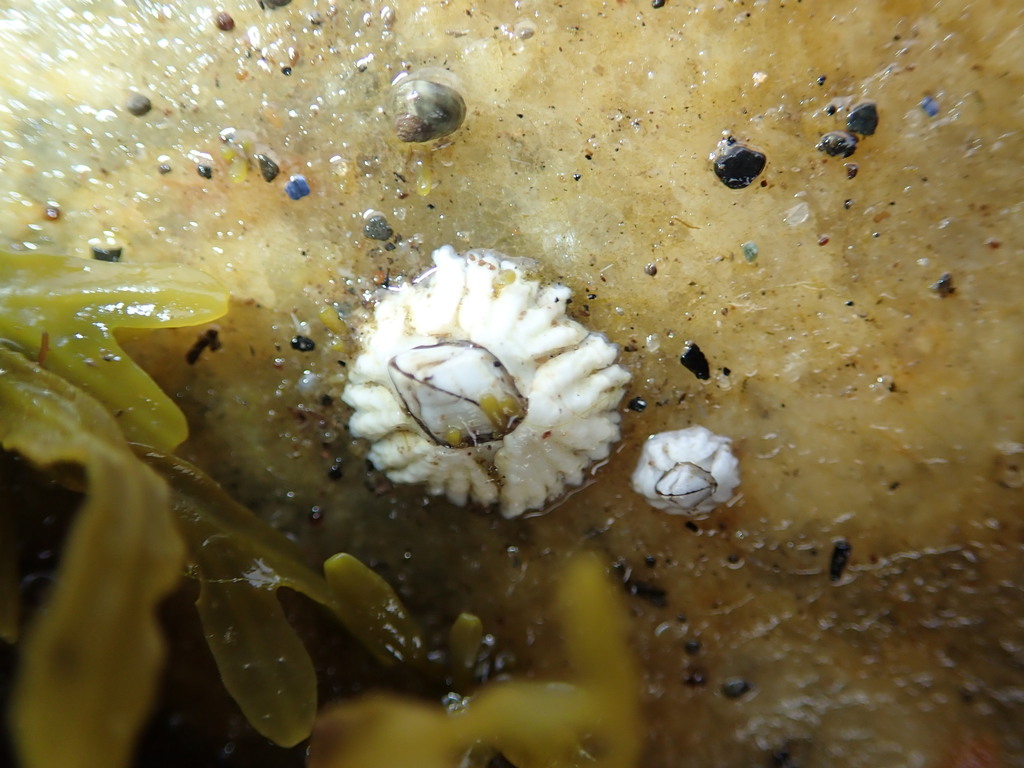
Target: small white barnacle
x=687, y=471
x=473, y=381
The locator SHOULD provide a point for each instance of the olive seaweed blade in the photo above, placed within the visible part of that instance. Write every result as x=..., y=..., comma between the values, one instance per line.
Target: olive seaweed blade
x=90, y=662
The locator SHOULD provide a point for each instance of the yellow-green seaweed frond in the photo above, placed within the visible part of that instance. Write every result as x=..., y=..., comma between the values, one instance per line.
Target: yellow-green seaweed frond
x=89, y=662
x=62, y=311
x=592, y=721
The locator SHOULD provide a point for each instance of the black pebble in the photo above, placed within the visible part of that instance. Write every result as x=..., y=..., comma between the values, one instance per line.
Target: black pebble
x=651, y=269
x=840, y=557
x=944, y=285
x=138, y=104
x=274, y=3
x=863, y=118
x=733, y=689
x=657, y=3
x=106, y=254
x=838, y=144
x=336, y=470
x=737, y=166
x=694, y=361
x=206, y=171
x=268, y=168
x=637, y=404
x=163, y=168
x=377, y=228
x=303, y=344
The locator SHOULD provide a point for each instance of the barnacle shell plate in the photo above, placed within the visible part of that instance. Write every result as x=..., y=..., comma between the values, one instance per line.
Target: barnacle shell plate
x=566, y=376
x=458, y=392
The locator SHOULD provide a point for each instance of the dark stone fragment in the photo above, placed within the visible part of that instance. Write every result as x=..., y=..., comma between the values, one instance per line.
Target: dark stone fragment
x=733, y=689
x=334, y=472
x=637, y=404
x=696, y=678
x=657, y=3
x=651, y=269
x=286, y=71
x=783, y=758
x=695, y=361
x=138, y=104
x=224, y=21
x=163, y=168
x=274, y=3
x=821, y=79
x=930, y=106
x=944, y=285
x=737, y=166
x=303, y=344
x=863, y=118
x=377, y=228
x=500, y=761
x=106, y=254
x=206, y=171
x=838, y=144
x=840, y=557
x=268, y=168
x=692, y=647
x=209, y=339
x=851, y=170
x=656, y=596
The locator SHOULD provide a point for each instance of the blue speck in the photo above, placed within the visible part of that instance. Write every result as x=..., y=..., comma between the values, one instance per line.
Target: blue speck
x=297, y=187
x=930, y=106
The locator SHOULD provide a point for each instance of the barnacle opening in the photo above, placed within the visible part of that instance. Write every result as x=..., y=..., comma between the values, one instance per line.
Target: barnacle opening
x=458, y=392
x=687, y=483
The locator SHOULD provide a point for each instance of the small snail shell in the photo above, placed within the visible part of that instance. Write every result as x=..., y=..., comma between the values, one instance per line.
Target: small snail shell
x=426, y=106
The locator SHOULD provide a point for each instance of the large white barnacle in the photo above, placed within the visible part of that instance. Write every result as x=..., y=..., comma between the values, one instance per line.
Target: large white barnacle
x=473, y=381
x=687, y=471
